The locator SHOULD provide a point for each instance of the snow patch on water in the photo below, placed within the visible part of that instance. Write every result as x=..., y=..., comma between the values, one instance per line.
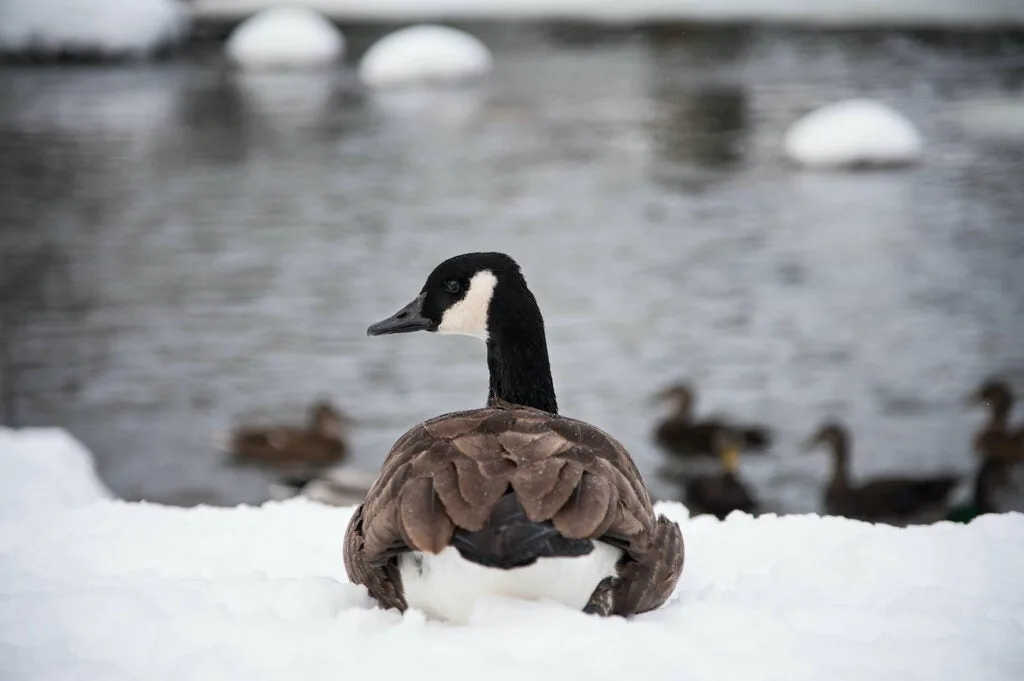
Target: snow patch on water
x=424, y=55
x=285, y=37
x=853, y=133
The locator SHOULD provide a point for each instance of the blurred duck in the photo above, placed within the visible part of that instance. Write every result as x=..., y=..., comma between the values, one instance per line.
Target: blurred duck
x=336, y=486
x=320, y=443
x=681, y=435
x=996, y=439
x=719, y=495
x=896, y=501
x=991, y=475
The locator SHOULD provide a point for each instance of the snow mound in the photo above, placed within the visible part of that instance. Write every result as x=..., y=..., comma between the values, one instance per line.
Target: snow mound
x=426, y=54
x=90, y=27
x=45, y=470
x=854, y=133
x=118, y=590
x=285, y=37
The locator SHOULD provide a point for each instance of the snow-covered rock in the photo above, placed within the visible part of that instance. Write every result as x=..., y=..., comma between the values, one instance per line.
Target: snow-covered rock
x=426, y=54
x=854, y=133
x=112, y=28
x=285, y=37
x=45, y=470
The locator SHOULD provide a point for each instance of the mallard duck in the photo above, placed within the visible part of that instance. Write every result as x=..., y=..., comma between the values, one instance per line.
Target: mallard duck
x=890, y=500
x=681, y=435
x=996, y=439
x=293, y=448
x=512, y=499
x=719, y=495
x=991, y=474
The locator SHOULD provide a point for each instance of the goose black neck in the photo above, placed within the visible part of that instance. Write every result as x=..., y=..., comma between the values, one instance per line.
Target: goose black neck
x=517, y=349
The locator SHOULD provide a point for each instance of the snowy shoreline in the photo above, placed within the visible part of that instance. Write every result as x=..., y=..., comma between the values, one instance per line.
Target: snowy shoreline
x=103, y=589
x=855, y=13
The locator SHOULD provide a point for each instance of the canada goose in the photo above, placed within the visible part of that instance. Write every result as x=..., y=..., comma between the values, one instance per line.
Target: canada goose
x=682, y=435
x=293, y=448
x=996, y=439
x=721, y=494
x=891, y=500
x=511, y=499
x=990, y=475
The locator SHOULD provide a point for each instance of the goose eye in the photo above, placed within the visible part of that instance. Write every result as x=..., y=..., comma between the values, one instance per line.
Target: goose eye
x=452, y=286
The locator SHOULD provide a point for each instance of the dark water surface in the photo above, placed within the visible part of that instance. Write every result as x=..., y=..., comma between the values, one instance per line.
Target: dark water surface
x=183, y=246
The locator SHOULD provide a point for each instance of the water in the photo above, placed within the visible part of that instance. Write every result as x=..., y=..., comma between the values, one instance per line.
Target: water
x=184, y=246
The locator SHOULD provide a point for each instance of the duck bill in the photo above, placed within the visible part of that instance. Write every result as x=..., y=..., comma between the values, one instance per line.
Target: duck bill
x=809, y=445
x=410, y=318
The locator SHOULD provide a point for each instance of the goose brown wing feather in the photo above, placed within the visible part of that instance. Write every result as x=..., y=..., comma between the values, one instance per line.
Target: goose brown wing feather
x=450, y=471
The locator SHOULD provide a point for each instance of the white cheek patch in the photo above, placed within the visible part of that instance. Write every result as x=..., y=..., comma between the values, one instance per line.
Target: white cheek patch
x=469, y=316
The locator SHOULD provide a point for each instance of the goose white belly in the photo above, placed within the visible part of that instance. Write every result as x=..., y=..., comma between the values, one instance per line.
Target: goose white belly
x=445, y=586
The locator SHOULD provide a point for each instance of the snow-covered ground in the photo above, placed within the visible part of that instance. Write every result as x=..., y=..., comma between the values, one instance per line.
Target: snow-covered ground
x=110, y=591
x=859, y=12
x=853, y=133
x=425, y=54
x=285, y=36
x=97, y=27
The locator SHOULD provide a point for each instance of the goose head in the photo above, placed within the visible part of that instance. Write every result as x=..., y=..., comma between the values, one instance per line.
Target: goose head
x=458, y=297
x=484, y=295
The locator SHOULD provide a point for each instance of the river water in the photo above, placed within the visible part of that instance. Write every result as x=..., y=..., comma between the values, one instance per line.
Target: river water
x=184, y=247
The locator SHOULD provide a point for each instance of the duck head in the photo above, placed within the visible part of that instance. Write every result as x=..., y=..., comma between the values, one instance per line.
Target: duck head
x=831, y=434
x=679, y=396
x=326, y=419
x=995, y=394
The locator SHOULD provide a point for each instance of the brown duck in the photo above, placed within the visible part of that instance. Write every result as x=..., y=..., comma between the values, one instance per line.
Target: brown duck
x=719, y=495
x=996, y=439
x=890, y=500
x=512, y=499
x=293, y=449
x=682, y=435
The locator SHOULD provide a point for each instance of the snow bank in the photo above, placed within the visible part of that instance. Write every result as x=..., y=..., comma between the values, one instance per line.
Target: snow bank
x=285, y=37
x=814, y=12
x=103, y=590
x=853, y=133
x=424, y=54
x=45, y=470
x=90, y=27
x=116, y=590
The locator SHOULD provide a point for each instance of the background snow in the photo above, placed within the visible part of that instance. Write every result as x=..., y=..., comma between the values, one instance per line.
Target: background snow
x=424, y=54
x=285, y=36
x=921, y=12
x=45, y=469
x=94, y=26
x=115, y=590
x=853, y=132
